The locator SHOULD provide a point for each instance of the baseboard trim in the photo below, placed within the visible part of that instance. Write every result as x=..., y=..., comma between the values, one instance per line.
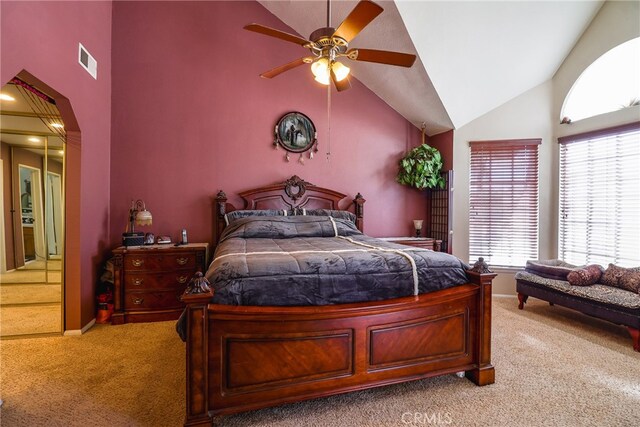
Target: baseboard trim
x=76, y=332
x=504, y=296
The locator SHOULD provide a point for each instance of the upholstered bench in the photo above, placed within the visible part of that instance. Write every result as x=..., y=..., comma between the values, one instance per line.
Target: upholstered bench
x=605, y=302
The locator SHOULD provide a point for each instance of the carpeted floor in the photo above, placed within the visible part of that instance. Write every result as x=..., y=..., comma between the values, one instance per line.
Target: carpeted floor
x=34, y=272
x=554, y=367
x=31, y=276
x=30, y=319
x=30, y=294
x=30, y=299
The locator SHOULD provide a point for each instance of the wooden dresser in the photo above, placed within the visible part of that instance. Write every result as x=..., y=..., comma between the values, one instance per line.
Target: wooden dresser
x=418, y=242
x=149, y=280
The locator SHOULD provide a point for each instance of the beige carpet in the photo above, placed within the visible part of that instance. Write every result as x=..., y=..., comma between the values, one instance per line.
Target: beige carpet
x=31, y=276
x=553, y=368
x=30, y=319
x=53, y=264
x=34, y=272
x=30, y=294
x=30, y=299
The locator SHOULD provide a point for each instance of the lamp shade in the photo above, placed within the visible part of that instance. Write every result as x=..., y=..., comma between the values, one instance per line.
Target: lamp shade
x=320, y=70
x=340, y=70
x=417, y=224
x=143, y=217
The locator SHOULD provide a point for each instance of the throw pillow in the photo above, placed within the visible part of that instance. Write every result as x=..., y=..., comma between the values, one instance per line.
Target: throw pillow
x=586, y=276
x=623, y=278
x=551, y=269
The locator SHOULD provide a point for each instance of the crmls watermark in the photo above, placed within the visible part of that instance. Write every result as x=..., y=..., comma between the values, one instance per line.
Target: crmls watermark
x=425, y=418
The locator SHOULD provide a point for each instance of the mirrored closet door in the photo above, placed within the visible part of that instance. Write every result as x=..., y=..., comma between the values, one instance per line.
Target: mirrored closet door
x=31, y=222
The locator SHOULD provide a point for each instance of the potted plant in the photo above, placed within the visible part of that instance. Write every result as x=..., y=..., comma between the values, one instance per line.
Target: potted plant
x=421, y=168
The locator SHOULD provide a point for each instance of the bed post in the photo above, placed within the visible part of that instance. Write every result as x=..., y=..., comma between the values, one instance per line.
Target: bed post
x=220, y=209
x=359, y=204
x=480, y=275
x=196, y=297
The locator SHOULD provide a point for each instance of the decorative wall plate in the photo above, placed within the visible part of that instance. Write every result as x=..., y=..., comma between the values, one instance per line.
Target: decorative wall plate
x=296, y=133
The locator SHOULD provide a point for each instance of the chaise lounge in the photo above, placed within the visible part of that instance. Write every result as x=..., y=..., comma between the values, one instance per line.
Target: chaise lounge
x=616, y=305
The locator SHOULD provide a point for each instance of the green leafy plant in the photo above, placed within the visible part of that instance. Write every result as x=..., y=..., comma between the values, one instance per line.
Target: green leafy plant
x=421, y=168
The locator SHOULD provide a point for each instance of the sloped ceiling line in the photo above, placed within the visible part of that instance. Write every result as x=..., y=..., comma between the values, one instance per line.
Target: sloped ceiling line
x=472, y=56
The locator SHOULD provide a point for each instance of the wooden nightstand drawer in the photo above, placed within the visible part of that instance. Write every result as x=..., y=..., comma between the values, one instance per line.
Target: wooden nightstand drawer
x=152, y=300
x=149, y=280
x=170, y=261
x=135, y=281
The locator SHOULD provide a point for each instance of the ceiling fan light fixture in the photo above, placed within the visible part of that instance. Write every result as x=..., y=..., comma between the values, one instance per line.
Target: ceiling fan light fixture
x=340, y=70
x=323, y=79
x=327, y=44
x=320, y=70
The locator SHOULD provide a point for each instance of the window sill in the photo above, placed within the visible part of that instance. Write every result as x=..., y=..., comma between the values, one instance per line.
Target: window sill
x=505, y=269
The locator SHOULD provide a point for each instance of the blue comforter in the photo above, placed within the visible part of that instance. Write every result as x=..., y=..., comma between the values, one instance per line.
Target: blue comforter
x=317, y=260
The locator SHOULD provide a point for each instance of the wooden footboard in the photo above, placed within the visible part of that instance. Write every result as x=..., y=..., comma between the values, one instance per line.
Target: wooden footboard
x=245, y=358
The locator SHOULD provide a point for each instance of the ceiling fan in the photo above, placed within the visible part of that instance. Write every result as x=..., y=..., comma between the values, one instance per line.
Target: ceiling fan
x=329, y=44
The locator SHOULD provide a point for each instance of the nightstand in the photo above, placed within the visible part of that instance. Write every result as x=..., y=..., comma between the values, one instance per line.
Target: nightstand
x=418, y=242
x=149, y=280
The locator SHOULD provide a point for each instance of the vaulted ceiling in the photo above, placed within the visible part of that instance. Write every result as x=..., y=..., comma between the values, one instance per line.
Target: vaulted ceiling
x=473, y=56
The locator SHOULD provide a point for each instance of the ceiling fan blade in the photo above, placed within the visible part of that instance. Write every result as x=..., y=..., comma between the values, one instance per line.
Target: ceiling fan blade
x=382, y=57
x=286, y=67
x=344, y=84
x=361, y=15
x=276, y=33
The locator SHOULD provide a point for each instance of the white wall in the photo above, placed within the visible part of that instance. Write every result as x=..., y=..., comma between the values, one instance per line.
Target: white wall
x=536, y=114
x=615, y=23
x=527, y=116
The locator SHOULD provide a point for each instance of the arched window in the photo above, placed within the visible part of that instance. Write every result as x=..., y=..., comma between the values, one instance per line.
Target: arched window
x=610, y=83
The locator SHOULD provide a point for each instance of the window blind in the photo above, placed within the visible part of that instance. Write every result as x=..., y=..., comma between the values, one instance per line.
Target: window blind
x=600, y=197
x=503, y=201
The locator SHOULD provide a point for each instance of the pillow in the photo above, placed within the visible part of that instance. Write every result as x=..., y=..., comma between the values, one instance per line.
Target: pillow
x=585, y=276
x=326, y=212
x=550, y=269
x=623, y=278
x=233, y=215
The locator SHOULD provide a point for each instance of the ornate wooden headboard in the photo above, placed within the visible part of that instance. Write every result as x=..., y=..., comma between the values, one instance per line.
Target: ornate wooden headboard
x=293, y=193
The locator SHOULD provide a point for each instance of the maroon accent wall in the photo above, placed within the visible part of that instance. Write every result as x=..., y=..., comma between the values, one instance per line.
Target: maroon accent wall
x=444, y=143
x=42, y=38
x=190, y=116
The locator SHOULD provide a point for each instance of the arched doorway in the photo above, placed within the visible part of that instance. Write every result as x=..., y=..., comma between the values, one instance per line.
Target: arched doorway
x=52, y=243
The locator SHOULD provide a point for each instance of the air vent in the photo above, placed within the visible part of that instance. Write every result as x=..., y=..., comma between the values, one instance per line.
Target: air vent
x=87, y=61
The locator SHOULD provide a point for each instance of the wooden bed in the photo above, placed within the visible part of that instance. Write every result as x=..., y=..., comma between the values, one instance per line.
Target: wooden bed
x=242, y=358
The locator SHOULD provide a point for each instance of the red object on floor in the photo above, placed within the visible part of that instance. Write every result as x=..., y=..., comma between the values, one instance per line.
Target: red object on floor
x=104, y=313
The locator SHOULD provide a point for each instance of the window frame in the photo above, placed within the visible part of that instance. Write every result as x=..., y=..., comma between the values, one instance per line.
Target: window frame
x=584, y=137
x=580, y=87
x=519, y=149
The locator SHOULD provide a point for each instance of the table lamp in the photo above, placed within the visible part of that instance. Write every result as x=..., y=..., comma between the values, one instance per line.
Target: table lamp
x=138, y=215
x=417, y=224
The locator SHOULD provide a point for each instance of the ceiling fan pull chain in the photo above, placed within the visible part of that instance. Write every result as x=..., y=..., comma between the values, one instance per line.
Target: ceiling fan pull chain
x=328, y=122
